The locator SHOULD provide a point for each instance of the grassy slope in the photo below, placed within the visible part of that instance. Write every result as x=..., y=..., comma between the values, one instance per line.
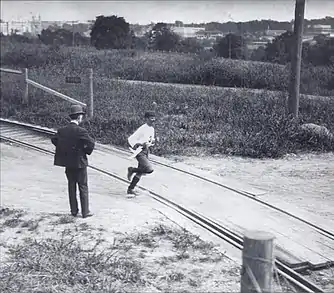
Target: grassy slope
x=235, y=121
x=166, y=67
x=214, y=119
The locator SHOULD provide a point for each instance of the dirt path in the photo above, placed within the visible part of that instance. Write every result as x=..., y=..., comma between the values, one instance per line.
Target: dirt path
x=170, y=258
x=304, y=182
x=30, y=182
x=301, y=184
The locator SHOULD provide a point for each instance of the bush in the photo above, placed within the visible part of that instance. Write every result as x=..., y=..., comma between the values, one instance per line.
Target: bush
x=167, y=67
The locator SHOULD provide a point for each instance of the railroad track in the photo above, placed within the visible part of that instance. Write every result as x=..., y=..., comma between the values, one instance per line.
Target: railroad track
x=15, y=132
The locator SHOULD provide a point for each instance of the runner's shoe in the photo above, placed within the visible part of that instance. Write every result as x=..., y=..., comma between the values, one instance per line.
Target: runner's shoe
x=131, y=193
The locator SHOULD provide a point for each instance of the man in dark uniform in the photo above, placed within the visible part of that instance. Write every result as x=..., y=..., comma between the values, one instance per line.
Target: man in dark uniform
x=73, y=144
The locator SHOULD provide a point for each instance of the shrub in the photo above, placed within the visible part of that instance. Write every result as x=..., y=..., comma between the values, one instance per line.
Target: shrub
x=167, y=67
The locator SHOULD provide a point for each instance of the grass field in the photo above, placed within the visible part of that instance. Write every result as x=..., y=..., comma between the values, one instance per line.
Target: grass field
x=190, y=118
x=166, y=67
x=235, y=117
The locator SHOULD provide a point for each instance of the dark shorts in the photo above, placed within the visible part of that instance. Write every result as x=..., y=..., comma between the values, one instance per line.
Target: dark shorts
x=144, y=164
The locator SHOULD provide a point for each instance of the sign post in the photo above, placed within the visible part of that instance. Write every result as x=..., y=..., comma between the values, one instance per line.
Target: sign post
x=91, y=94
x=73, y=79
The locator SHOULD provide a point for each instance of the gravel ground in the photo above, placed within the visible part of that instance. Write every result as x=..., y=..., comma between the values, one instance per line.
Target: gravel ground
x=302, y=184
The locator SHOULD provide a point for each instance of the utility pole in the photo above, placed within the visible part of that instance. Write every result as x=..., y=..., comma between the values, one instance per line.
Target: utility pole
x=72, y=33
x=294, y=88
x=229, y=46
x=229, y=39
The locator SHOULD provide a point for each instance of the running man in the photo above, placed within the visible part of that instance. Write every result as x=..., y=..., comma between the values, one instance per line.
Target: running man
x=140, y=141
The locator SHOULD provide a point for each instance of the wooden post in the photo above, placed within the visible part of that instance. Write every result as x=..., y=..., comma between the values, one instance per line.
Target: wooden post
x=293, y=100
x=91, y=95
x=229, y=46
x=26, y=90
x=257, y=262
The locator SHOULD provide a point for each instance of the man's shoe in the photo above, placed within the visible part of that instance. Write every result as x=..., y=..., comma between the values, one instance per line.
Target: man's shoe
x=87, y=215
x=130, y=173
x=131, y=193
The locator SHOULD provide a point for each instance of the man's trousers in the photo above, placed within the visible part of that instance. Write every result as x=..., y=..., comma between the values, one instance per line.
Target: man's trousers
x=78, y=176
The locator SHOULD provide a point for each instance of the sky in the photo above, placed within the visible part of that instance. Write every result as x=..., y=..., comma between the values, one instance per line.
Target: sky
x=144, y=12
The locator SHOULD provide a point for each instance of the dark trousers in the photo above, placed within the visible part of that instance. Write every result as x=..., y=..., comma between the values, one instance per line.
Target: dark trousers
x=144, y=167
x=74, y=177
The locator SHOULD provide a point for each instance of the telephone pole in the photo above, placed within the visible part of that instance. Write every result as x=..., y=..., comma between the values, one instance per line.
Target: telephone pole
x=294, y=88
x=72, y=33
x=229, y=46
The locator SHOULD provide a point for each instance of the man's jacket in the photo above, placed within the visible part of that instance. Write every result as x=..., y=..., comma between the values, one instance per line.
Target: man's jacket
x=73, y=144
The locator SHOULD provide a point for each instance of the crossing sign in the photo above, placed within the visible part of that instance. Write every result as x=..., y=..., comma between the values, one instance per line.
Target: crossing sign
x=73, y=79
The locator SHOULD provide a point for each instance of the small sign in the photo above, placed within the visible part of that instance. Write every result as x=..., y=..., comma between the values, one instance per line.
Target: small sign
x=73, y=79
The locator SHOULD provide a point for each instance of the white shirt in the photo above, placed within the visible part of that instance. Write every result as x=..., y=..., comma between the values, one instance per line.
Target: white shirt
x=144, y=133
x=75, y=121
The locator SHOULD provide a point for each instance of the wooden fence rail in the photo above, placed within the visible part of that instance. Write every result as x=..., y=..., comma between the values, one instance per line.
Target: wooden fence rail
x=46, y=89
x=53, y=92
x=12, y=71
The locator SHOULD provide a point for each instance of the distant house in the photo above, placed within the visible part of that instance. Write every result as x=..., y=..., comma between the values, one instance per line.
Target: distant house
x=186, y=32
x=319, y=29
x=208, y=35
x=274, y=32
x=141, y=30
x=87, y=34
x=315, y=30
x=14, y=27
x=270, y=35
x=256, y=44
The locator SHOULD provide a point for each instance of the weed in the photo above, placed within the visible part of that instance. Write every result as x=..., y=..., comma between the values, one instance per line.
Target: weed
x=143, y=239
x=32, y=225
x=64, y=219
x=5, y=212
x=51, y=265
x=84, y=227
x=175, y=277
x=12, y=223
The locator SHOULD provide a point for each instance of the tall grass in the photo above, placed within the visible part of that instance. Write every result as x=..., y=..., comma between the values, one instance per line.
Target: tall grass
x=213, y=119
x=166, y=67
x=190, y=118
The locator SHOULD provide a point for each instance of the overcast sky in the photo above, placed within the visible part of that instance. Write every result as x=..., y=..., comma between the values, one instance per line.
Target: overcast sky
x=144, y=12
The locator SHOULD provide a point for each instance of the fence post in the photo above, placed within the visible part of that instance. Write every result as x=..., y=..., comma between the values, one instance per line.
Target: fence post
x=257, y=262
x=91, y=94
x=26, y=89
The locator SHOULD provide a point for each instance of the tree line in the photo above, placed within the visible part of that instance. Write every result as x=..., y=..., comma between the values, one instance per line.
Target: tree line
x=112, y=32
x=255, y=26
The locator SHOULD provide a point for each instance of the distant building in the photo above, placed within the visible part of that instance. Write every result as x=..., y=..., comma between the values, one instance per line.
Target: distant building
x=15, y=27
x=319, y=29
x=312, y=31
x=33, y=27
x=256, y=44
x=208, y=35
x=141, y=30
x=186, y=32
x=270, y=35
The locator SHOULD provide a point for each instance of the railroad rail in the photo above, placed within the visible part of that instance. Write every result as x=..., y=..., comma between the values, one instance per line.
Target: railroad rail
x=210, y=225
x=249, y=195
